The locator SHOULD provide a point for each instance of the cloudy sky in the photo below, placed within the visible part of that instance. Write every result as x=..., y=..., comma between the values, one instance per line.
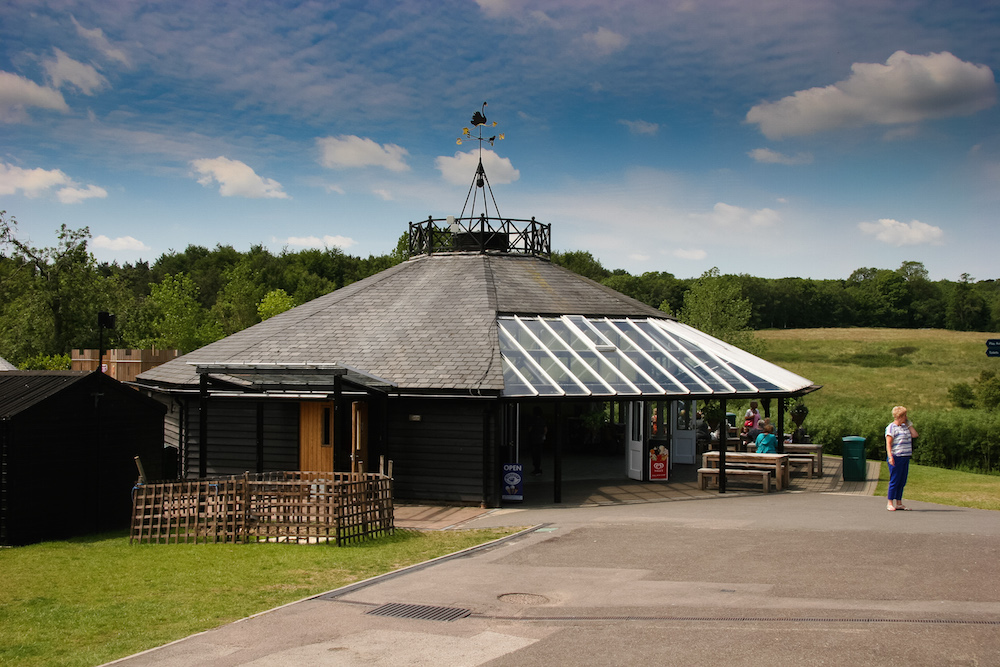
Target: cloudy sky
x=773, y=138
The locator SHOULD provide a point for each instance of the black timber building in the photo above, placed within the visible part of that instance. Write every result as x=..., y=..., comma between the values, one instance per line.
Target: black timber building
x=435, y=364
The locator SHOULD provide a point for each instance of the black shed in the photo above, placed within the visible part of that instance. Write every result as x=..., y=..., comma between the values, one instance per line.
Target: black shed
x=67, y=445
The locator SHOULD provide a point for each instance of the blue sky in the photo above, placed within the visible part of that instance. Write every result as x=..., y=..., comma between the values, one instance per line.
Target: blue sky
x=772, y=138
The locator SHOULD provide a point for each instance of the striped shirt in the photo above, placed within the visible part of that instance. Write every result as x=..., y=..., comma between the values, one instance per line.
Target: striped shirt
x=902, y=443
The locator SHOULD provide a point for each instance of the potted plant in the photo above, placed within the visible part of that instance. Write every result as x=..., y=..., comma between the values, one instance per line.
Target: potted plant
x=799, y=412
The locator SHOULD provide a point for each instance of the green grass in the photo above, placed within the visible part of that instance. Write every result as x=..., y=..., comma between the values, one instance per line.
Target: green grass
x=88, y=601
x=880, y=367
x=946, y=487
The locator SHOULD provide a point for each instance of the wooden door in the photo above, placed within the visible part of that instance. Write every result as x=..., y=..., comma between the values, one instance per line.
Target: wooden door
x=316, y=436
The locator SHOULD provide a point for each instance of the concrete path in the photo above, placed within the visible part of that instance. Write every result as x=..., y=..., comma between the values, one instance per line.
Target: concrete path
x=740, y=579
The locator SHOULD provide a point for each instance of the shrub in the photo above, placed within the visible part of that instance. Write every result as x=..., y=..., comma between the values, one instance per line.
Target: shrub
x=962, y=395
x=969, y=440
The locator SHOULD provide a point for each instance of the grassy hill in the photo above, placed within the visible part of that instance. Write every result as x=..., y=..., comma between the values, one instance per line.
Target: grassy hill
x=881, y=367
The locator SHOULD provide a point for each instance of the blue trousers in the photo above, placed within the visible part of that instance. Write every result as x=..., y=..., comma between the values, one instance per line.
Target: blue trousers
x=897, y=476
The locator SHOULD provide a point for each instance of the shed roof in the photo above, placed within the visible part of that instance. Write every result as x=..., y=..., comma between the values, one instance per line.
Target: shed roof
x=19, y=390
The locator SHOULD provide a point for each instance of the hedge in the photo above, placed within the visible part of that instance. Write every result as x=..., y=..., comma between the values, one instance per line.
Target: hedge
x=957, y=439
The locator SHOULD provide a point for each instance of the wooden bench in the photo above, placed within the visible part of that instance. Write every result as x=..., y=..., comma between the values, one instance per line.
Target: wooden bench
x=807, y=460
x=705, y=473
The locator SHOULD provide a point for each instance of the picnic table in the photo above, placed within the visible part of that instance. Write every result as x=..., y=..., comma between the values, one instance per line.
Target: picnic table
x=776, y=463
x=799, y=450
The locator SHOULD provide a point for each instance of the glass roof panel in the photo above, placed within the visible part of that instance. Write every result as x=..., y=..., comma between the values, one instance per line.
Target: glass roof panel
x=659, y=348
x=719, y=369
x=569, y=357
x=514, y=384
x=758, y=382
x=580, y=356
x=691, y=363
x=619, y=333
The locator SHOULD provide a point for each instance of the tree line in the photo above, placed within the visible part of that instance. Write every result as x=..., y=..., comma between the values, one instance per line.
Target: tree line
x=50, y=296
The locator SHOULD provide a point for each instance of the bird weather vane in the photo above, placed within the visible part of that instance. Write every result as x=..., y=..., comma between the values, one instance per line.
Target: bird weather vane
x=478, y=122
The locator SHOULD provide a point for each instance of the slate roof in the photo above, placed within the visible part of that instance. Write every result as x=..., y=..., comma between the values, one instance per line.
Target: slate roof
x=426, y=324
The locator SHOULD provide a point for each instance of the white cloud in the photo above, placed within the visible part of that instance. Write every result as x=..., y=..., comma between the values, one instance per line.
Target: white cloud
x=767, y=156
x=120, y=243
x=75, y=195
x=606, y=41
x=494, y=8
x=18, y=93
x=236, y=179
x=907, y=89
x=382, y=194
x=30, y=182
x=640, y=126
x=34, y=183
x=101, y=43
x=65, y=70
x=898, y=233
x=691, y=253
x=727, y=215
x=351, y=152
x=317, y=242
x=460, y=169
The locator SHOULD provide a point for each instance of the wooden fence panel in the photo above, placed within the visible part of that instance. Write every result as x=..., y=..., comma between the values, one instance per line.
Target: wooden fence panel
x=293, y=506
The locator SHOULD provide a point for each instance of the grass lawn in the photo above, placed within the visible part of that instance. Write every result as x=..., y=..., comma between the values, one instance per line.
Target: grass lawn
x=91, y=600
x=945, y=487
x=880, y=366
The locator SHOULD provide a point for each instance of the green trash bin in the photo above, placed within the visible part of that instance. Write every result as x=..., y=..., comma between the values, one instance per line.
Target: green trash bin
x=855, y=466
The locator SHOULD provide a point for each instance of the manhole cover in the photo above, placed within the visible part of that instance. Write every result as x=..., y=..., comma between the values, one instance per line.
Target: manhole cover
x=523, y=598
x=419, y=611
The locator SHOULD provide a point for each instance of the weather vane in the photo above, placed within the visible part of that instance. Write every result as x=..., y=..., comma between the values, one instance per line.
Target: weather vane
x=479, y=180
x=478, y=121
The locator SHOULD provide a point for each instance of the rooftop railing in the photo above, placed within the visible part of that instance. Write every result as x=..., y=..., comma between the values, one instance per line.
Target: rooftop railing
x=480, y=234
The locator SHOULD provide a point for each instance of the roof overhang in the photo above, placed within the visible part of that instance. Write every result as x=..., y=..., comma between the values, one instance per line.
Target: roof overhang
x=289, y=378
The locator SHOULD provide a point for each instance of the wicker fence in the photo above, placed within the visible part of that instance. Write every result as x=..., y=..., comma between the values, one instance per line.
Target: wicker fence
x=277, y=507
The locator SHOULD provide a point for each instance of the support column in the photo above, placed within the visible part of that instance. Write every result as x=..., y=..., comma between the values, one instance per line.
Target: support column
x=203, y=426
x=780, y=448
x=557, y=455
x=723, y=436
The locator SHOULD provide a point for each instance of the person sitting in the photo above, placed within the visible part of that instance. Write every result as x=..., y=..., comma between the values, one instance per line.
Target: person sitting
x=767, y=442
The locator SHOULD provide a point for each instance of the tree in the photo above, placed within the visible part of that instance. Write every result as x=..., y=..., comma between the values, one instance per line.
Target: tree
x=715, y=305
x=176, y=318
x=967, y=311
x=51, y=295
x=581, y=263
x=274, y=302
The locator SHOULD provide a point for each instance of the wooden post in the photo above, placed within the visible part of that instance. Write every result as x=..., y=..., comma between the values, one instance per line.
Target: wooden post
x=557, y=451
x=723, y=435
x=781, y=426
x=203, y=426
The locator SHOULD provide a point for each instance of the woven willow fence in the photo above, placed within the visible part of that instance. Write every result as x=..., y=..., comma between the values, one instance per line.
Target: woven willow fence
x=305, y=507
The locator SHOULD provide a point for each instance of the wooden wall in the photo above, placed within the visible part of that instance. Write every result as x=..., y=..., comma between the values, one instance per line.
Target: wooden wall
x=70, y=466
x=232, y=436
x=439, y=457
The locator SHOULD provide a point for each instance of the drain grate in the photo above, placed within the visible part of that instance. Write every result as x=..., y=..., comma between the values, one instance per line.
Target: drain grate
x=419, y=611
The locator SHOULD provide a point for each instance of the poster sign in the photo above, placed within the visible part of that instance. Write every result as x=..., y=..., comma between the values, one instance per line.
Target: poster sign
x=513, y=481
x=658, y=460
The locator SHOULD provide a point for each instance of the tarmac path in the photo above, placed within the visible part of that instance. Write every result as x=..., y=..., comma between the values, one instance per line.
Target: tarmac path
x=776, y=579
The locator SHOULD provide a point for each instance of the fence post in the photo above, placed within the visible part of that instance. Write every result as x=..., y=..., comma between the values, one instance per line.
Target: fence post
x=245, y=529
